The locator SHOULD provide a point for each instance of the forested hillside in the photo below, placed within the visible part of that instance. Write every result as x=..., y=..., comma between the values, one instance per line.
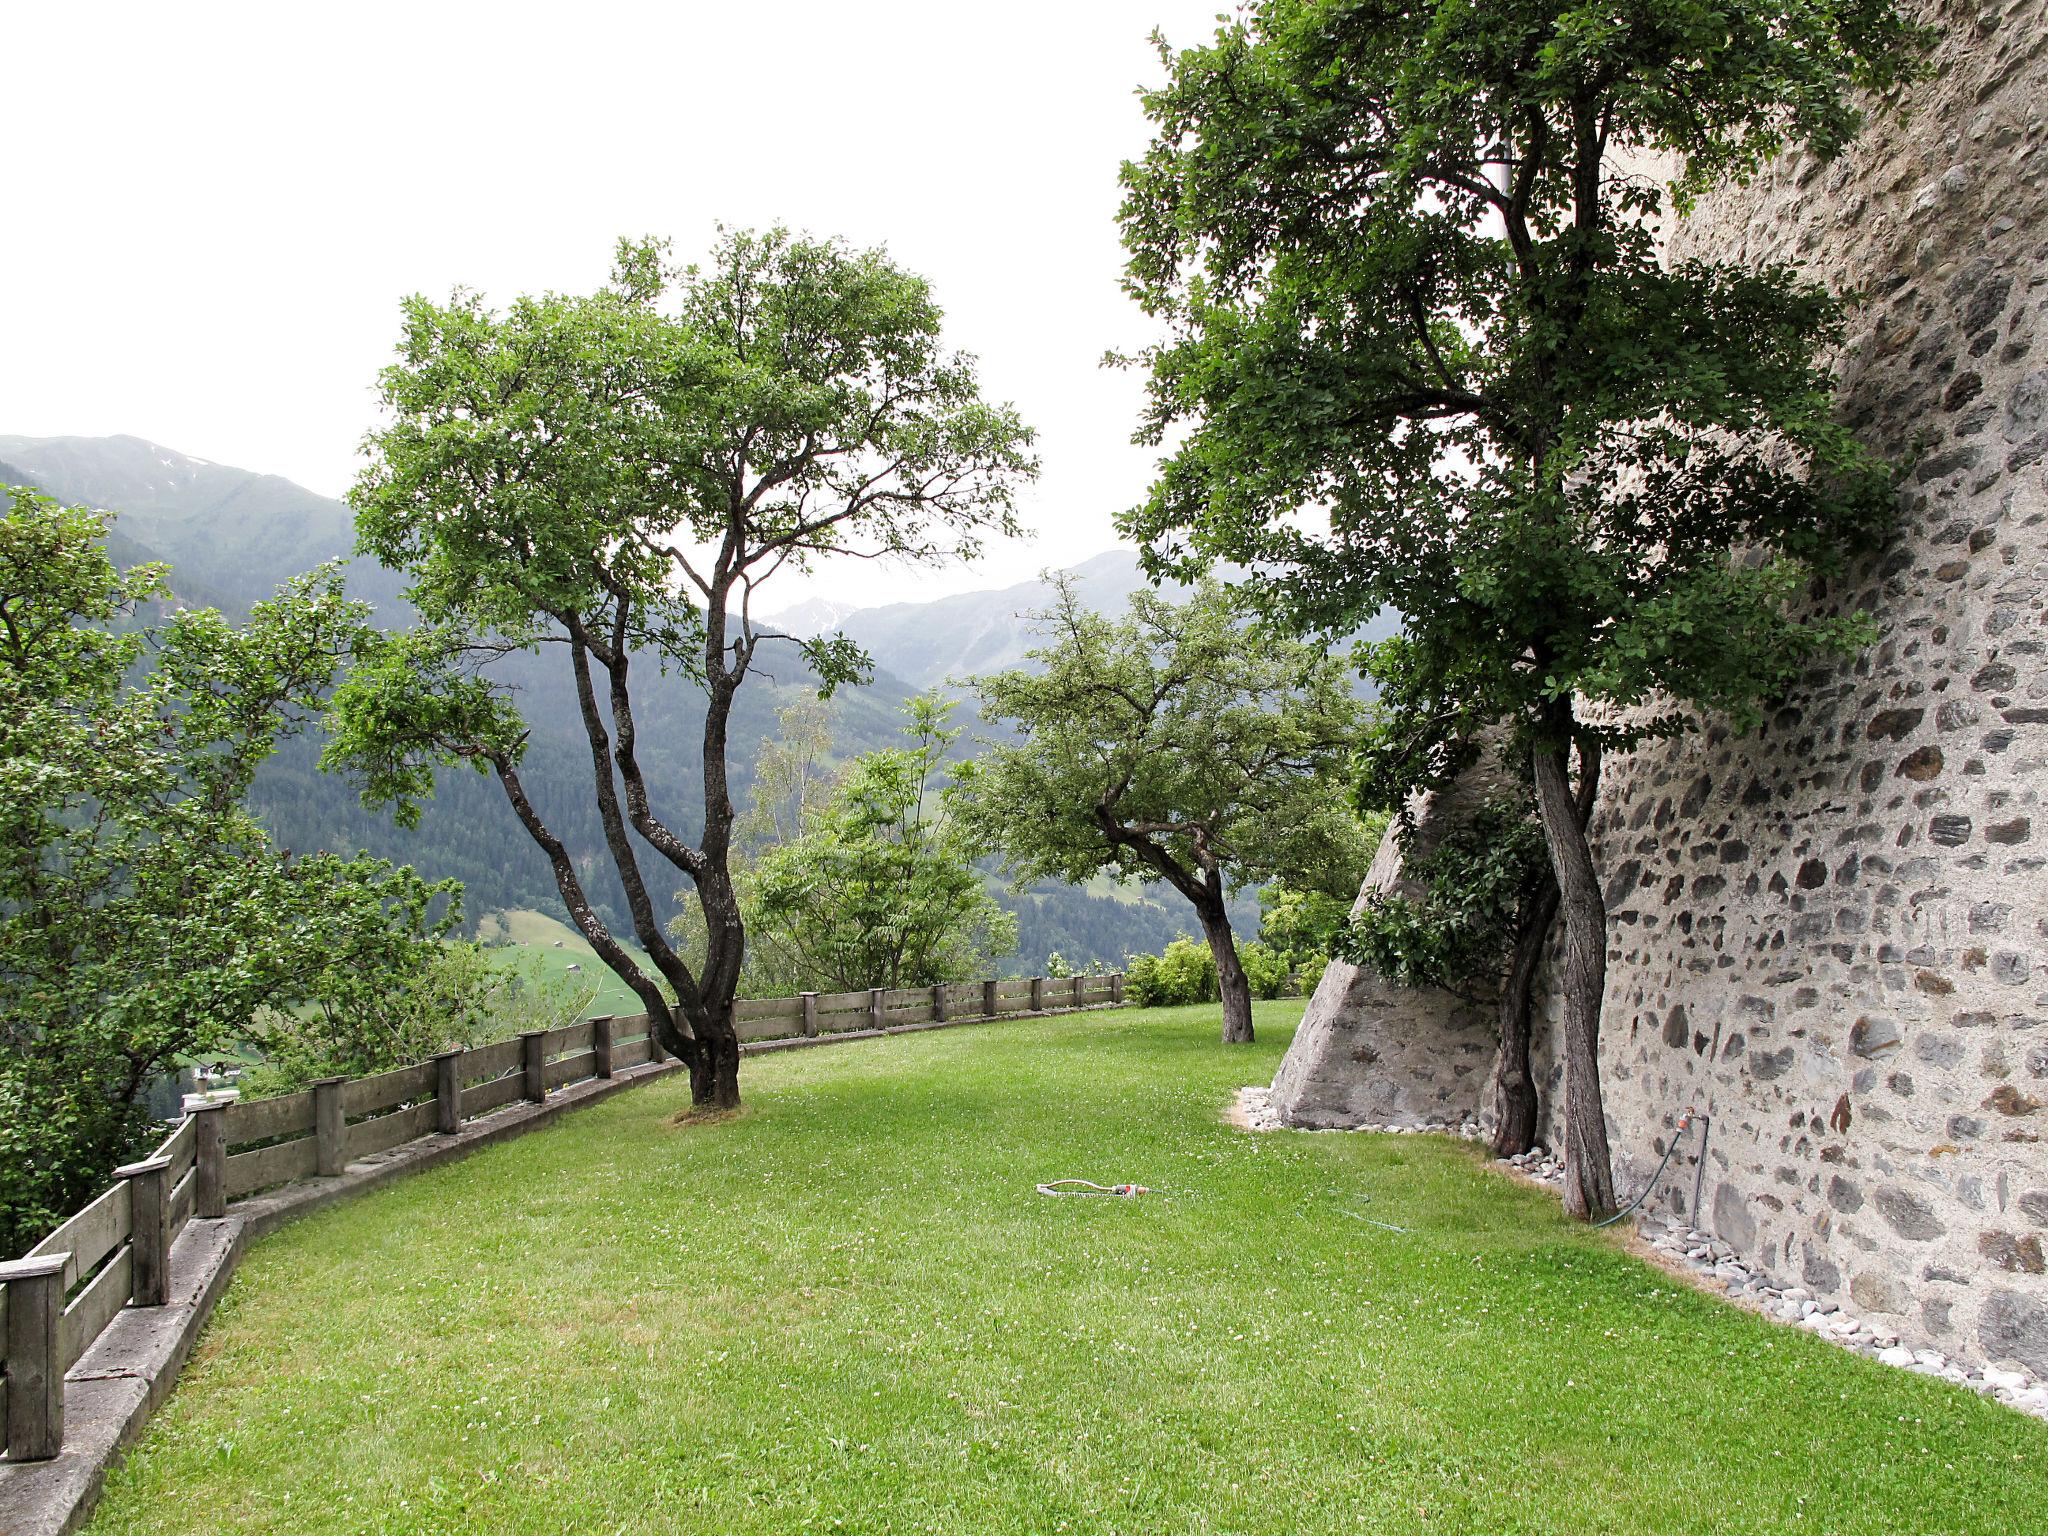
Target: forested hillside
x=230, y=536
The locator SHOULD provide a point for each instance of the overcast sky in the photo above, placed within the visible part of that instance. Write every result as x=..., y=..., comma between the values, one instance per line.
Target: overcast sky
x=214, y=209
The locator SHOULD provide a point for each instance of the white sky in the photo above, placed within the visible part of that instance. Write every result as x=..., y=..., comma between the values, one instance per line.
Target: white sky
x=214, y=209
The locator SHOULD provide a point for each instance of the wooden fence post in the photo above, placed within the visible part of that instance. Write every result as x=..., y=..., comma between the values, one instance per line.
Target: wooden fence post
x=35, y=1373
x=810, y=1002
x=939, y=1003
x=1079, y=995
x=601, y=1043
x=533, y=1058
x=1116, y=987
x=1037, y=994
x=330, y=1130
x=448, y=1091
x=655, y=1050
x=149, y=1230
x=210, y=1162
x=878, y=1008
x=988, y=999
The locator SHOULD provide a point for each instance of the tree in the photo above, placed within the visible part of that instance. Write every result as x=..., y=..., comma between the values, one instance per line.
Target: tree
x=1172, y=744
x=609, y=479
x=1421, y=352
x=880, y=889
x=1303, y=925
x=144, y=917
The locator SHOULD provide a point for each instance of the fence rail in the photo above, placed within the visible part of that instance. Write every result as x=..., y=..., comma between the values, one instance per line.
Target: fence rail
x=58, y=1298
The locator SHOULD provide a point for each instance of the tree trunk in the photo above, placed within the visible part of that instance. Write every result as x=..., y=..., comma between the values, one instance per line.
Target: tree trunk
x=1513, y=1088
x=1588, y=1168
x=715, y=1062
x=1231, y=984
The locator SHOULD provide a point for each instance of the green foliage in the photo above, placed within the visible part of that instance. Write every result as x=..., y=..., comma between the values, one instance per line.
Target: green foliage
x=1177, y=743
x=1469, y=888
x=607, y=480
x=879, y=888
x=462, y=997
x=1266, y=969
x=1171, y=743
x=794, y=776
x=1184, y=973
x=543, y=470
x=1302, y=925
x=1409, y=285
x=144, y=915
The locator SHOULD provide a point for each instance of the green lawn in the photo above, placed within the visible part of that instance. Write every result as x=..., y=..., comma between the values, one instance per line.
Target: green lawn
x=847, y=1310
x=534, y=936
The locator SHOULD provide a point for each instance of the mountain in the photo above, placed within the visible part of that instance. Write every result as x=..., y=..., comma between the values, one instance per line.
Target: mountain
x=228, y=534
x=813, y=616
x=231, y=536
x=951, y=638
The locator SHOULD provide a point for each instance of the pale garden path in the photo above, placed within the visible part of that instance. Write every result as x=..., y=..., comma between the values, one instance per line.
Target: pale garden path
x=864, y=1319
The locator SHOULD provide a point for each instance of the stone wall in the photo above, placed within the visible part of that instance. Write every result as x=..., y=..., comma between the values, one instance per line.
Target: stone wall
x=1832, y=935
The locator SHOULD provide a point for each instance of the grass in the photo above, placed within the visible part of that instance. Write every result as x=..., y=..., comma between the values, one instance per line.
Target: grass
x=534, y=936
x=846, y=1310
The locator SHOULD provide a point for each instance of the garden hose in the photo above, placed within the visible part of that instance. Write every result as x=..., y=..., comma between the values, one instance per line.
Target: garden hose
x=1699, y=1172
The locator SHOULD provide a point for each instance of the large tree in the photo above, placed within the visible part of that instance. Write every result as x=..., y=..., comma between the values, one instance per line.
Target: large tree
x=1177, y=744
x=1422, y=352
x=145, y=918
x=610, y=478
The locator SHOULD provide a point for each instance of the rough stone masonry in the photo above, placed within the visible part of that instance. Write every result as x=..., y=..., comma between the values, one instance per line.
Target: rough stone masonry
x=1832, y=935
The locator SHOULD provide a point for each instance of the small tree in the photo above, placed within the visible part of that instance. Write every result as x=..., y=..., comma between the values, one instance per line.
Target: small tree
x=879, y=889
x=610, y=479
x=144, y=917
x=794, y=776
x=1303, y=925
x=1423, y=353
x=1173, y=744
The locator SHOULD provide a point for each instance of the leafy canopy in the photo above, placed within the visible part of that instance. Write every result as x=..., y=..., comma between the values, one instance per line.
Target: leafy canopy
x=880, y=889
x=1454, y=916
x=144, y=916
x=1421, y=350
x=609, y=468
x=1173, y=743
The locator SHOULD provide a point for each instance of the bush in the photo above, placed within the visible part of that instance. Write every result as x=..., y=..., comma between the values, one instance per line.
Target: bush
x=1185, y=973
x=1265, y=969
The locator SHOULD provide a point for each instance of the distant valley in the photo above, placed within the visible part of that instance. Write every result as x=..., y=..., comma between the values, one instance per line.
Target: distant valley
x=231, y=536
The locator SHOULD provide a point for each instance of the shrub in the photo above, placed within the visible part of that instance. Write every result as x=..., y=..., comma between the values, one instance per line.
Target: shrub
x=1265, y=969
x=1185, y=973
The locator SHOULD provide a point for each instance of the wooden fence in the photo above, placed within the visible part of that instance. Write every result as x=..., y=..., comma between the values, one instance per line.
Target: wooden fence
x=116, y=1252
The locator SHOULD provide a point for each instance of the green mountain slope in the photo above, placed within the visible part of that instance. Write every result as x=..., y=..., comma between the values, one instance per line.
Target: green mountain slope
x=949, y=639
x=231, y=536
